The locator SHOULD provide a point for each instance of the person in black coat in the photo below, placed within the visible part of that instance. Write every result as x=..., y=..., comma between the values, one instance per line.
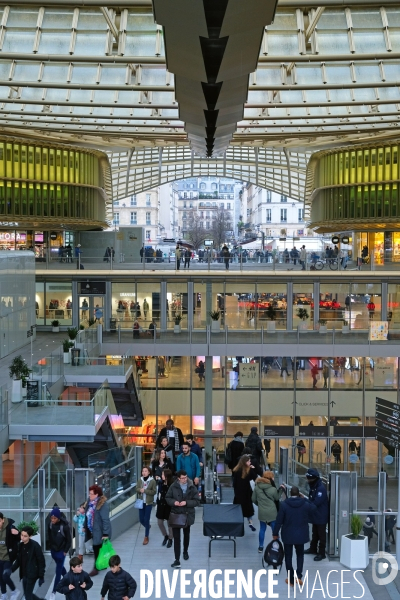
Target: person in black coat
x=243, y=473
x=254, y=442
x=60, y=543
x=236, y=446
x=119, y=584
x=163, y=509
x=76, y=582
x=31, y=563
x=160, y=462
x=254, y=460
x=318, y=496
x=173, y=434
x=9, y=540
x=294, y=515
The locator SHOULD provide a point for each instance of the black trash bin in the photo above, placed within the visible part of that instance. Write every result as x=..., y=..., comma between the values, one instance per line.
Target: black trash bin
x=113, y=324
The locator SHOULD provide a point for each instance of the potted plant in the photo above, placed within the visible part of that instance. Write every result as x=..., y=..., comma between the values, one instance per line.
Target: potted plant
x=215, y=324
x=345, y=327
x=18, y=370
x=354, y=547
x=72, y=333
x=303, y=315
x=33, y=524
x=271, y=316
x=55, y=325
x=91, y=321
x=177, y=325
x=323, y=328
x=67, y=345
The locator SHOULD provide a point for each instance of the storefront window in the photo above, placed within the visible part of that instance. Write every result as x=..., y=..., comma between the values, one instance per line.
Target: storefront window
x=58, y=305
x=393, y=309
x=149, y=300
x=271, y=295
x=303, y=306
x=364, y=304
x=40, y=308
x=200, y=309
x=177, y=304
x=333, y=304
x=240, y=306
x=123, y=304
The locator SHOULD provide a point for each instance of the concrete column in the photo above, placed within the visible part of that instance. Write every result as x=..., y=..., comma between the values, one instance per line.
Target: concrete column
x=75, y=305
x=209, y=305
x=163, y=306
x=208, y=404
x=384, y=301
x=107, y=308
x=289, y=311
x=316, y=303
x=190, y=292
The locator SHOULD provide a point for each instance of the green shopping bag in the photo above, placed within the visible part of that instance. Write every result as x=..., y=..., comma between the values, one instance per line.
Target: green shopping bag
x=106, y=552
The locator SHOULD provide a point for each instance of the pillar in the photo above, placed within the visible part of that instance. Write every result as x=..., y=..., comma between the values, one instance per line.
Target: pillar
x=208, y=407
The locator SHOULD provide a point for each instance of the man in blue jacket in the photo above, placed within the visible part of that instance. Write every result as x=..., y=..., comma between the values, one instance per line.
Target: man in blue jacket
x=318, y=496
x=294, y=515
x=190, y=463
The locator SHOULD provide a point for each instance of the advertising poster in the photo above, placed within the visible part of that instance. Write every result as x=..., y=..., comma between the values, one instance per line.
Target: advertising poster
x=378, y=330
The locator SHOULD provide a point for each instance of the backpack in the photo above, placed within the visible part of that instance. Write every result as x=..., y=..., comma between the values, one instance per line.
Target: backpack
x=228, y=454
x=273, y=555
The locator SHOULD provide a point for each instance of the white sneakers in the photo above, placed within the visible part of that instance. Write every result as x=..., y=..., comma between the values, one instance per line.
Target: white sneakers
x=3, y=597
x=14, y=595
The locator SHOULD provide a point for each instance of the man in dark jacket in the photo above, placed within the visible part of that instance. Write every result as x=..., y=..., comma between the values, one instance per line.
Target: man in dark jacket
x=318, y=496
x=119, y=584
x=76, y=582
x=173, y=434
x=60, y=543
x=182, y=497
x=254, y=442
x=9, y=540
x=294, y=515
x=236, y=447
x=31, y=563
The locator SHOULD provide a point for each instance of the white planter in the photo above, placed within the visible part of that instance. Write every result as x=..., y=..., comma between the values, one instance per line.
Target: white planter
x=23, y=391
x=354, y=553
x=215, y=326
x=303, y=326
x=16, y=391
x=345, y=329
x=67, y=358
x=323, y=328
x=177, y=328
x=55, y=329
x=271, y=326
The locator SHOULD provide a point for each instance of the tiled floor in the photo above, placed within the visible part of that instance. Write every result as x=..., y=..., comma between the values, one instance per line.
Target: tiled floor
x=136, y=558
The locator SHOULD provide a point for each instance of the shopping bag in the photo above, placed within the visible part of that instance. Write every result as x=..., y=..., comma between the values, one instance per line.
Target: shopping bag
x=106, y=552
x=138, y=503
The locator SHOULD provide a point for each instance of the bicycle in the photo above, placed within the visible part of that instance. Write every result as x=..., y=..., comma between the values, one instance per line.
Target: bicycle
x=332, y=262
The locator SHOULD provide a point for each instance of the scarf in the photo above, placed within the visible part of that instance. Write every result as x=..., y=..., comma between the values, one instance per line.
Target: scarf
x=146, y=481
x=90, y=513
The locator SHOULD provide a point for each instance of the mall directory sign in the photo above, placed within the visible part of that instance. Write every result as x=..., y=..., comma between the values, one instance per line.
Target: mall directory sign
x=387, y=422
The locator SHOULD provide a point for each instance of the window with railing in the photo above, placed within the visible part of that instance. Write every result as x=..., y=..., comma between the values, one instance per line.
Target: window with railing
x=133, y=218
x=301, y=214
x=283, y=215
x=148, y=200
x=116, y=219
x=269, y=215
x=269, y=196
x=133, y=200
x=283, y=198
x=148, y=218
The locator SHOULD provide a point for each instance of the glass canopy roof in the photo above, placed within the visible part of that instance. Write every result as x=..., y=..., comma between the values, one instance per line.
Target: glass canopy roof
x=326, y=76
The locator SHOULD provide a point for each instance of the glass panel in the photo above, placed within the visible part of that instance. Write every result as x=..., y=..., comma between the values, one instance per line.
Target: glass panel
x=303, y=303
x=58, y=302
x=177, y=304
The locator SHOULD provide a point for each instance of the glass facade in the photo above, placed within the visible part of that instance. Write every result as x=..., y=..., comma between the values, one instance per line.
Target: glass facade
x=53, y=301
x=45, y=182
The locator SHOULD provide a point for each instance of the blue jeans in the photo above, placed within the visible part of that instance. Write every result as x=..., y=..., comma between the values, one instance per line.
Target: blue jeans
x=263, y=529
x=5, y=576
x=144, y=518
x=59, y=559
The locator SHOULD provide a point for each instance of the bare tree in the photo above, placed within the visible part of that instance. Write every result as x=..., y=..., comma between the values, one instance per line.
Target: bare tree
x=222, y=223
x=195, y=232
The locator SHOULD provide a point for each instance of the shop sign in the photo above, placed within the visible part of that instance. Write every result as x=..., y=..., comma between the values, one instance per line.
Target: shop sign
x=92, y=287
x=278, y=430
x=345, y=240
x=133, y=237
x=9, y=236
x=335, y=239
x=53, y=235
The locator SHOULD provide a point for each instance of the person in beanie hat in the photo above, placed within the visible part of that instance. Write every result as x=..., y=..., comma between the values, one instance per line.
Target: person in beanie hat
x=318, y=496
x=60, y=543
x=254, y=443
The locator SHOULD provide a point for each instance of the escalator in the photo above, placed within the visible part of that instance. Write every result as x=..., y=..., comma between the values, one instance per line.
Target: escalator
x=105, y=439
x=127, y=403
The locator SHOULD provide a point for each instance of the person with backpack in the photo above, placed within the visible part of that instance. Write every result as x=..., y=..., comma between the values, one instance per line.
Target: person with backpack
x=76, y=582
x=9, y=541
x=60, y=542
x=266, y=497
x=294, y=515
x=254, y=443
x=234, y=450
x=31, y=563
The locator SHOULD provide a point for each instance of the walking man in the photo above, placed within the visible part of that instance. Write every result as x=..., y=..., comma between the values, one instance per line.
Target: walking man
x=294, y=515
x=189, y=462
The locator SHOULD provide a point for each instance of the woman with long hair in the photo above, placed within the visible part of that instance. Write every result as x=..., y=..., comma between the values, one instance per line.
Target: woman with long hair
x=163, y=508
x=243, y=473
x=160, y=462
x=147, y=490
x=266, y=497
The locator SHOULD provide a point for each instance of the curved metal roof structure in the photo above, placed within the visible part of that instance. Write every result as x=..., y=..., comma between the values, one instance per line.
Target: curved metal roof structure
x=327, y=75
